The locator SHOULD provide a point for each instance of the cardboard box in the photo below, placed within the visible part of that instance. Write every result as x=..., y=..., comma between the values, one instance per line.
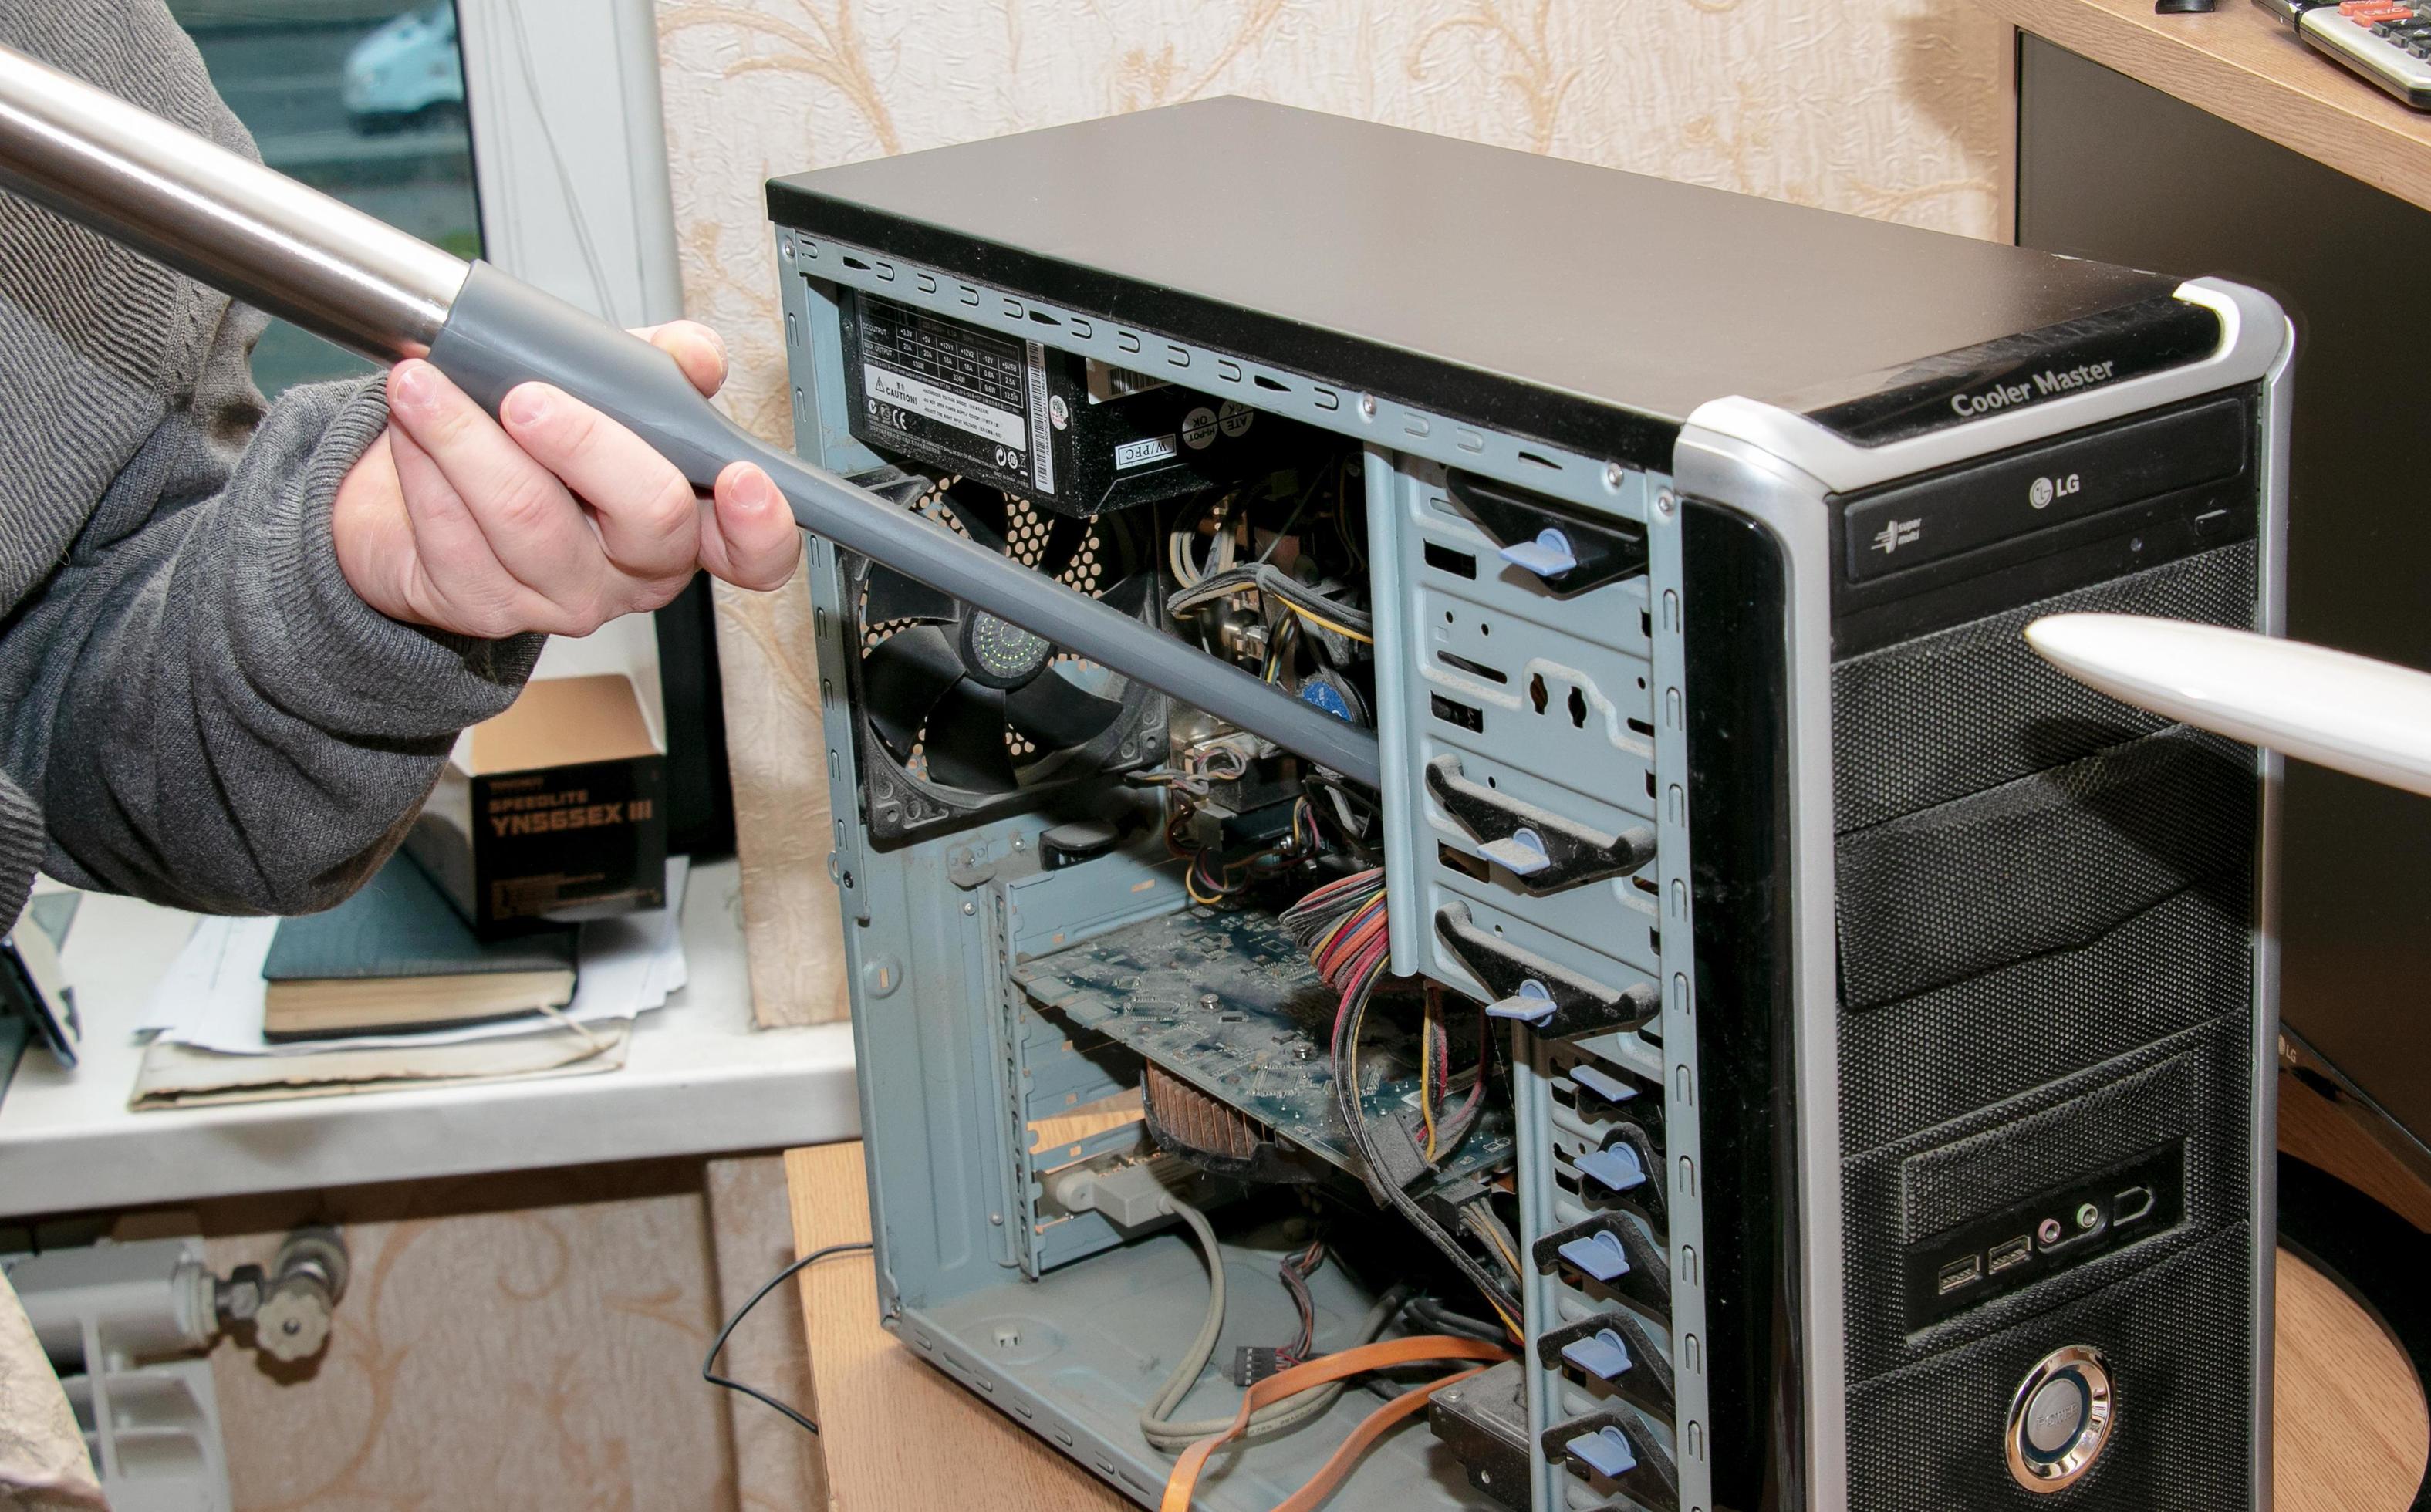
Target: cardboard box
x=554, y=809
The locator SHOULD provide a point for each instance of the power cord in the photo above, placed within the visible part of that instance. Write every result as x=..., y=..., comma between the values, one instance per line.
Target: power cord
x=709, y=1361
x=1155, y=1420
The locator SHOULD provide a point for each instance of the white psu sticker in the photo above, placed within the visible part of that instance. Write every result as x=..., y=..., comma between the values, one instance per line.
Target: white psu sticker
x=1041, y=445
x=944, y=405
x=1141, y=453
x=1107, y=381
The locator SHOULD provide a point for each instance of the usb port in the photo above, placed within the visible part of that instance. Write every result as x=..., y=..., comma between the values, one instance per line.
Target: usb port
x=2009, y=1253
x=1961, y=1272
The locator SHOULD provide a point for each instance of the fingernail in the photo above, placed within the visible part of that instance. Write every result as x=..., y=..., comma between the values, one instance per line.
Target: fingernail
x=410, y=385
x=762, y=493
x=528, y=404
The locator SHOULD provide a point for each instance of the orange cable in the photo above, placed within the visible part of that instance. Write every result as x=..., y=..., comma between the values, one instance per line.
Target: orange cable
x=1338, y=1465
x=1339, y=1365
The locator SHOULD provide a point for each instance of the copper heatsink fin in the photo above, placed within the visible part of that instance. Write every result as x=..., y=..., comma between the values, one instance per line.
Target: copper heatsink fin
x=1189, y=1121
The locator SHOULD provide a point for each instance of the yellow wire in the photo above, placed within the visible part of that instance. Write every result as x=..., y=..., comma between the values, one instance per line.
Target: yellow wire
x=1315, y=618
x=1350, y=1075
x=1325, y=941
x=1497, y=1237
x=1518, y=1335
x=1427, y=1073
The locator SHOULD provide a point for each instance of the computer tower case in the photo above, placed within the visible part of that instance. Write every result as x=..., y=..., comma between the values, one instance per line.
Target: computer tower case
x=1845, y=1045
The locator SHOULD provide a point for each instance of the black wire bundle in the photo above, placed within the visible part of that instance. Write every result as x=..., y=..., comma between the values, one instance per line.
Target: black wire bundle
x=1343, y=797
x=1433, y=1316
x=1294, y=1270
x=1342, y=926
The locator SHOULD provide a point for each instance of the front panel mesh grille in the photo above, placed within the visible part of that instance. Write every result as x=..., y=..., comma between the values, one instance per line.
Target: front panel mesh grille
x=1926, y=1060
x=1928, y=1439
x=2046, y=969
x=2162, y=1094
x=2046, y=863
x=1910, y=723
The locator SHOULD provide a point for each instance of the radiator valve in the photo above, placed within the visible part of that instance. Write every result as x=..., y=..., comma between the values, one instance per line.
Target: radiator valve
x=288, y=1305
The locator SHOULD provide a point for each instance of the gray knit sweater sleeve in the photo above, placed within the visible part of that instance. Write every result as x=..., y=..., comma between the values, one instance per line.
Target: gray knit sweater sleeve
x=194, y=706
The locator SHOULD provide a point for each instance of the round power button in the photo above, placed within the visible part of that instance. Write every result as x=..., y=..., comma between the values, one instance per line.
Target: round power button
x=2055, y=1415
x=2060, y=1419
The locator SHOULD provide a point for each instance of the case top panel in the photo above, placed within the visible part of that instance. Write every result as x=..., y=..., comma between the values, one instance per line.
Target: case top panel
x=1579, y=305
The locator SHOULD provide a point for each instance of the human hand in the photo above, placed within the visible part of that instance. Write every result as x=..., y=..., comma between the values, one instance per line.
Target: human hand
x=552, y=518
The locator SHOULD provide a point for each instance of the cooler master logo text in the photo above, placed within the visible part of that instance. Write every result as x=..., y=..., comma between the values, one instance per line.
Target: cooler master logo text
x=2041, y=385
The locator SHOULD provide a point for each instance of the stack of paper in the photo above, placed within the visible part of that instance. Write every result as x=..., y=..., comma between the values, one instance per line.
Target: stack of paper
x=205, y=1021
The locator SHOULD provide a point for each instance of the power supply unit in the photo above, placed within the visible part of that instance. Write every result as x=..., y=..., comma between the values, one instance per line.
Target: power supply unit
x=1074, y=435
x=1756, y=1039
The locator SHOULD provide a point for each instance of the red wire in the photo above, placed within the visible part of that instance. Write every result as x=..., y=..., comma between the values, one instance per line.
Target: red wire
x=1356, y=984
x=1345, y=942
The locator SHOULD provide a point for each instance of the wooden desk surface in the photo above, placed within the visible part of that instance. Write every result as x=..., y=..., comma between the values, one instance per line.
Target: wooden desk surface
x=2245, y=67
x=899, y=1437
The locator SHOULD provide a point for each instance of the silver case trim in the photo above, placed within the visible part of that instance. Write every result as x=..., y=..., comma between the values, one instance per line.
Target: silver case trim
x=2252, y=335
x=2278, y=414
x=1738, y=475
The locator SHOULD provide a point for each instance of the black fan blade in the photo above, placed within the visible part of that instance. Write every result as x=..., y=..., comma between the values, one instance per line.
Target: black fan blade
x=982, y=510
x=901, y=681
x=965, y=742
x=1131, y=595
x=1057, y=713
x=893, y=596
x=1065, y=535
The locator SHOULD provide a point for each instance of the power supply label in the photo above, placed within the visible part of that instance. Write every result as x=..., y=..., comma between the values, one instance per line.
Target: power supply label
x=921, y=396
x=916, y=368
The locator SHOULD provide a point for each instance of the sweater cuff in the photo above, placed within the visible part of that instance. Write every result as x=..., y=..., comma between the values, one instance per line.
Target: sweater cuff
x=376, y=677
x=21, y=843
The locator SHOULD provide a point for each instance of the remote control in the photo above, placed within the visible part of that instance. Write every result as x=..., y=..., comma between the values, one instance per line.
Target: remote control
x=2387, y=42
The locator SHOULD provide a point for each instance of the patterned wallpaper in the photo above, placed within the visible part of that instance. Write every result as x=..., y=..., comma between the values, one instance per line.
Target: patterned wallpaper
x=1883, y=107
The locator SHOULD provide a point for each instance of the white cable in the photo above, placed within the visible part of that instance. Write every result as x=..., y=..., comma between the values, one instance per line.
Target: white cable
x=1275, y=1418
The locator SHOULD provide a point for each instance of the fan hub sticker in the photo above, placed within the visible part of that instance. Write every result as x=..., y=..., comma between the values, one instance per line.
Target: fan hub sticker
x=1005, y=651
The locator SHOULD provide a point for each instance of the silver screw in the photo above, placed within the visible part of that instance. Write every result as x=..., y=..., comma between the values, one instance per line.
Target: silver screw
x=1209, y=1002
x=1368, y=405
x=787, y=251
x=1613, y=476
x=969, y=908
x=1664, y=503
